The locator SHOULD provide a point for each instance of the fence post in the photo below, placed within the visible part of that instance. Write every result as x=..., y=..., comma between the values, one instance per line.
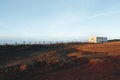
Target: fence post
x=23, y=42
x=6, y=45
x=15, y=43
x=39, y=42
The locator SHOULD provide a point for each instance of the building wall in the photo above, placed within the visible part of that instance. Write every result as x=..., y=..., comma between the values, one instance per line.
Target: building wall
x=94, y=39
x=101, y=39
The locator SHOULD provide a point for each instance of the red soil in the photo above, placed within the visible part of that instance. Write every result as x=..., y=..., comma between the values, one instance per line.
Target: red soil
x=81, y=62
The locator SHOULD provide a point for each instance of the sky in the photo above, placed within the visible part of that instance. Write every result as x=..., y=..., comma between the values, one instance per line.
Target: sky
x=58, y=20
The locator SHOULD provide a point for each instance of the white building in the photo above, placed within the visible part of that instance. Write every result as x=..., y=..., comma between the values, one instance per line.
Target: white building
x=94, y=39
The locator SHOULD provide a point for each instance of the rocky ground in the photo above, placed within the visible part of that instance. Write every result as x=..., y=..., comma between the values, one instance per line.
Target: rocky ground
x=74, y=62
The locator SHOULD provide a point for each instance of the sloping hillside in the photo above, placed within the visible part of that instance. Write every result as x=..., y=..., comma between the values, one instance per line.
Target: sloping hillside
x=112, y=48
x=78, y=62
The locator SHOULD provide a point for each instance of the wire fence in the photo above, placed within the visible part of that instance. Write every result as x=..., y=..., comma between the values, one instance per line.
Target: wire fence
x=43, y=43
x=26, y=45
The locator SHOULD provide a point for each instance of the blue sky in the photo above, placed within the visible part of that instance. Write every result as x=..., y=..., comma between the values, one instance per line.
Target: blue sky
x=54, y=20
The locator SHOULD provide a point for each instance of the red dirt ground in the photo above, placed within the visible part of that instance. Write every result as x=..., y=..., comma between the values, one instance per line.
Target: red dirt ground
x=81, y=62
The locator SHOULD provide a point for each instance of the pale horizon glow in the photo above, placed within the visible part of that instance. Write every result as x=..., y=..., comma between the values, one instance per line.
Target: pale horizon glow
x=58, y=20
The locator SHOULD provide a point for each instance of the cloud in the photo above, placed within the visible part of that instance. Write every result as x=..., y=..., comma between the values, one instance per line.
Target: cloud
x=101, y=14
x=65, y=22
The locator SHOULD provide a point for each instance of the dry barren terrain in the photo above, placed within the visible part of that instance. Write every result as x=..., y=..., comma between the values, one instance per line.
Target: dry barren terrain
x=74, y=62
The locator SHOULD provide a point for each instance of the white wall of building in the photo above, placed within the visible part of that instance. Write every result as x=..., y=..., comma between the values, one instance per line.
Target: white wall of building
x=94, y=39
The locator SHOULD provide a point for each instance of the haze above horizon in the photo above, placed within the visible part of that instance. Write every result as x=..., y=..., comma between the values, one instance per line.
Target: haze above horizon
x=54, y=20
